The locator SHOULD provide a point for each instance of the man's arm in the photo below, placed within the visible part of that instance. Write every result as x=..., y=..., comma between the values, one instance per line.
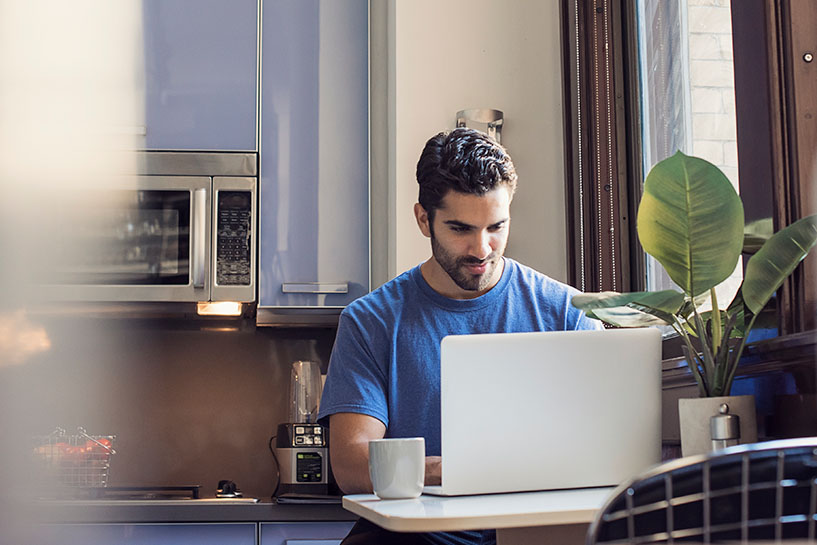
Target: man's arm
x=349, y=438
x=349, y=452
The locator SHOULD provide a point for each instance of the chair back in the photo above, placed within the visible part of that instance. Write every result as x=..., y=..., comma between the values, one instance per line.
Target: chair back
x=761, y=491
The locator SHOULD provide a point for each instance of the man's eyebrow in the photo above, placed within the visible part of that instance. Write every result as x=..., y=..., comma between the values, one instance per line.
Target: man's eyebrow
x=457, y=223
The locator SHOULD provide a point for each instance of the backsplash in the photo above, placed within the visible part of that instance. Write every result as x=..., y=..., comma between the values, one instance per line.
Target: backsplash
x=188, y=406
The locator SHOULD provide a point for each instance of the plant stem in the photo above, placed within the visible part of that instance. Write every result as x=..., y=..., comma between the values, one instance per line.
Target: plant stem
x=733, y=367
x=709, y=363
x=716, y=319
x=692, y=359
x=723, y=355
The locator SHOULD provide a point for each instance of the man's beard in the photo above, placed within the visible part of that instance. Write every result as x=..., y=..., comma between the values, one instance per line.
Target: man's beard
x=454, y=267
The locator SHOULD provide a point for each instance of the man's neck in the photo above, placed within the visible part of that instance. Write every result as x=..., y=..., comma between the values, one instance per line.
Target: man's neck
x=439, y=280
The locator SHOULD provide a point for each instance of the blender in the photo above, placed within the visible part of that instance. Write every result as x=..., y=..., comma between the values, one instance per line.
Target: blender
x=301, y=445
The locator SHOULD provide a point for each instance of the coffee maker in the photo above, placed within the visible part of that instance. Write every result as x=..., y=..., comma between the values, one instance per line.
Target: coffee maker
x=301, y=444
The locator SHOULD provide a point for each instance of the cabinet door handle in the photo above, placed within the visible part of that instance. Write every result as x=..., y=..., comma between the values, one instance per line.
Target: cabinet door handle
x=199, y=237
x=315, y=287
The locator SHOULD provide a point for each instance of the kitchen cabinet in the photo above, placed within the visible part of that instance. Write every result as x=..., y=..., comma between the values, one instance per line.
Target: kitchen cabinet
x=201, y=74
x=314, y=154
x=307, y=533
x=244, y=533
x=148, y=534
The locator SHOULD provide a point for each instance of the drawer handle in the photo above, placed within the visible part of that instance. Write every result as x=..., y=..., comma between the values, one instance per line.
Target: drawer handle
x=315, y=287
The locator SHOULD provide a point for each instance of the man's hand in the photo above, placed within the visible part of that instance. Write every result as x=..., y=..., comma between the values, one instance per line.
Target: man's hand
x=434, y=471
x=349, y=452
x=349, y=438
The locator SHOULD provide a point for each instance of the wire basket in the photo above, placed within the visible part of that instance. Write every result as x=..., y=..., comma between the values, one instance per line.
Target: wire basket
x=77, y=460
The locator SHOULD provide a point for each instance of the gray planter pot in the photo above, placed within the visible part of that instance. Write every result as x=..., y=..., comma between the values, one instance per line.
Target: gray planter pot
x=694, y=415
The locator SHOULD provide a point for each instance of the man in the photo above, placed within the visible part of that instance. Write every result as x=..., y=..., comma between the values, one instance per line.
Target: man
x=384, y=372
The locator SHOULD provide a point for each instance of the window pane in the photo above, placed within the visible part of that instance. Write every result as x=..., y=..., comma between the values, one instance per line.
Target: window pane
x=687, y=95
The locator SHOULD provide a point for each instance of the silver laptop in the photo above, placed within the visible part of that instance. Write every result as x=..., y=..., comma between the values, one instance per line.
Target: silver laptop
x=546, y=411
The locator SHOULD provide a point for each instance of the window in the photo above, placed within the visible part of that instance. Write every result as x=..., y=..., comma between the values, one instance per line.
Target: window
x=686, y=90
x=728, y=83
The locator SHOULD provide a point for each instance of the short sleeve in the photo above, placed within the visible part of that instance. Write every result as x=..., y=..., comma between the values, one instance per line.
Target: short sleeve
x=355, y=381
x=585, y=322
x=576, y=319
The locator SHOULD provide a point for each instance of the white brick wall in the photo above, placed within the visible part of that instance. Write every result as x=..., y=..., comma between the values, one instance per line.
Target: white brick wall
x=709, y=19
x=706, y=73
x=708, y=3
x=717, y=127
x=712, y=84
x=706, y=100
x=705, y=46
x=711, y=149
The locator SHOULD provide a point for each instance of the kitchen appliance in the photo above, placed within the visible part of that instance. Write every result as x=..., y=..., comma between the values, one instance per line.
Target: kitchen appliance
x=181, y=231
x=301, y=446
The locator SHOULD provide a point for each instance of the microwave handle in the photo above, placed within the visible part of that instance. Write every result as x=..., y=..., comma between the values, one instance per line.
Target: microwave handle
x=199, y=237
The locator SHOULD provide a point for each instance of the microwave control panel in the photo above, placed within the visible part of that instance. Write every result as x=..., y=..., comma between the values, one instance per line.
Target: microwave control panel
x=234, y=233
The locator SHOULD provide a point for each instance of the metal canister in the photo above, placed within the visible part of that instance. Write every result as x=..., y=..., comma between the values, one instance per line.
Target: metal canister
x=724, y=428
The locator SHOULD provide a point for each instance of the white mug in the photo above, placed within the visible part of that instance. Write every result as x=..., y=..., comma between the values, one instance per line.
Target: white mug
x=397, y=467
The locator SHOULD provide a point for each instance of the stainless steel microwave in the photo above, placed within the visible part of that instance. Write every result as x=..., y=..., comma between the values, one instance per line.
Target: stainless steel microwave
x=184, y=231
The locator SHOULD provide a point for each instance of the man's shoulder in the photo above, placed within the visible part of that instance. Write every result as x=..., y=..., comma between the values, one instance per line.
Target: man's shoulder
x=552, y=299
x=388, y=296
x=529, y=277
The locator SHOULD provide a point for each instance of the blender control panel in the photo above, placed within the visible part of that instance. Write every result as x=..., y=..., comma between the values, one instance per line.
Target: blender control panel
x=307, y=435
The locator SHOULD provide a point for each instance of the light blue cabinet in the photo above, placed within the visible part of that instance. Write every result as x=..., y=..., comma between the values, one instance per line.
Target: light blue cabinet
x=148, y=534
x=201, y=74
x=314, y=153
x=311, y=533
x=238, y=533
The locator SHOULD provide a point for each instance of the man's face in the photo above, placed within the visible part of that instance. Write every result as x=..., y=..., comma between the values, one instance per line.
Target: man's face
x=468, y=237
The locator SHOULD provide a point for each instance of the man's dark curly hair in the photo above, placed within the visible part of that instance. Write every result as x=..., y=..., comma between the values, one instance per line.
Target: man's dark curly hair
x=464, y=160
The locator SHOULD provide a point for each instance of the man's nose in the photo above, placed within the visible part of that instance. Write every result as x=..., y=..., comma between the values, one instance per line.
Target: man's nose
x=481, y=245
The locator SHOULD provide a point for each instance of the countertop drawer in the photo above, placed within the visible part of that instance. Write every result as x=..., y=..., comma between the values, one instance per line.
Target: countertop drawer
x=65, y=512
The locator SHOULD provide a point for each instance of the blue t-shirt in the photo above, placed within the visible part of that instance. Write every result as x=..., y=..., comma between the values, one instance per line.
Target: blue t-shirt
x=386, y=358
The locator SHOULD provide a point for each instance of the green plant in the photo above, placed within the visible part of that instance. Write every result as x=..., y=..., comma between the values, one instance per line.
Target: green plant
x=690, y=219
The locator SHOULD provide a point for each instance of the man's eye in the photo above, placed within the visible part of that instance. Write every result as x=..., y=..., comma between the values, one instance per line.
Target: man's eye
x=459, y=229
x=497, y=228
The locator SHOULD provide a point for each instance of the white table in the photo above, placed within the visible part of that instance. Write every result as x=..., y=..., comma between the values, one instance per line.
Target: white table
x=560, y=516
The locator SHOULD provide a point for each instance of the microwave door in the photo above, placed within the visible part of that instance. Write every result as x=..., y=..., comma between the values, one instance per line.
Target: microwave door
x=233, y=242
x=148, y=243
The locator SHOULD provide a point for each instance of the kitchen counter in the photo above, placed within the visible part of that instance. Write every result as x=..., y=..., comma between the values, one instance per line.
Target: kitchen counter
x=181, y=511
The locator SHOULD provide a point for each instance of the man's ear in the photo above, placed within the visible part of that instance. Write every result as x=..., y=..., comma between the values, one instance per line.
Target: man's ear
x=421, y=216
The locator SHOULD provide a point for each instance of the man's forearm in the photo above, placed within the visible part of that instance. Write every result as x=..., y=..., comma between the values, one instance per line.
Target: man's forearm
x=349, y=450
x=353, y=475
x=351, y=469
x=349, y=453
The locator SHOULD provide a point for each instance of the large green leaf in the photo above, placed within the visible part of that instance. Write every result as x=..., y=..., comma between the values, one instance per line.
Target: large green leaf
x=668, y=301
x=625, y=317
x=691, y=220
x=635, y=309
x=775, y=261
x=756, y=234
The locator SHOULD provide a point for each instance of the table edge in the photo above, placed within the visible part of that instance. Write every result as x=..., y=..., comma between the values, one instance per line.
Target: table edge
x=523, y=520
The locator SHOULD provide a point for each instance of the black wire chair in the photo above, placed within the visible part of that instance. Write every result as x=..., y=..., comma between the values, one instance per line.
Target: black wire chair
x=762, y=491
